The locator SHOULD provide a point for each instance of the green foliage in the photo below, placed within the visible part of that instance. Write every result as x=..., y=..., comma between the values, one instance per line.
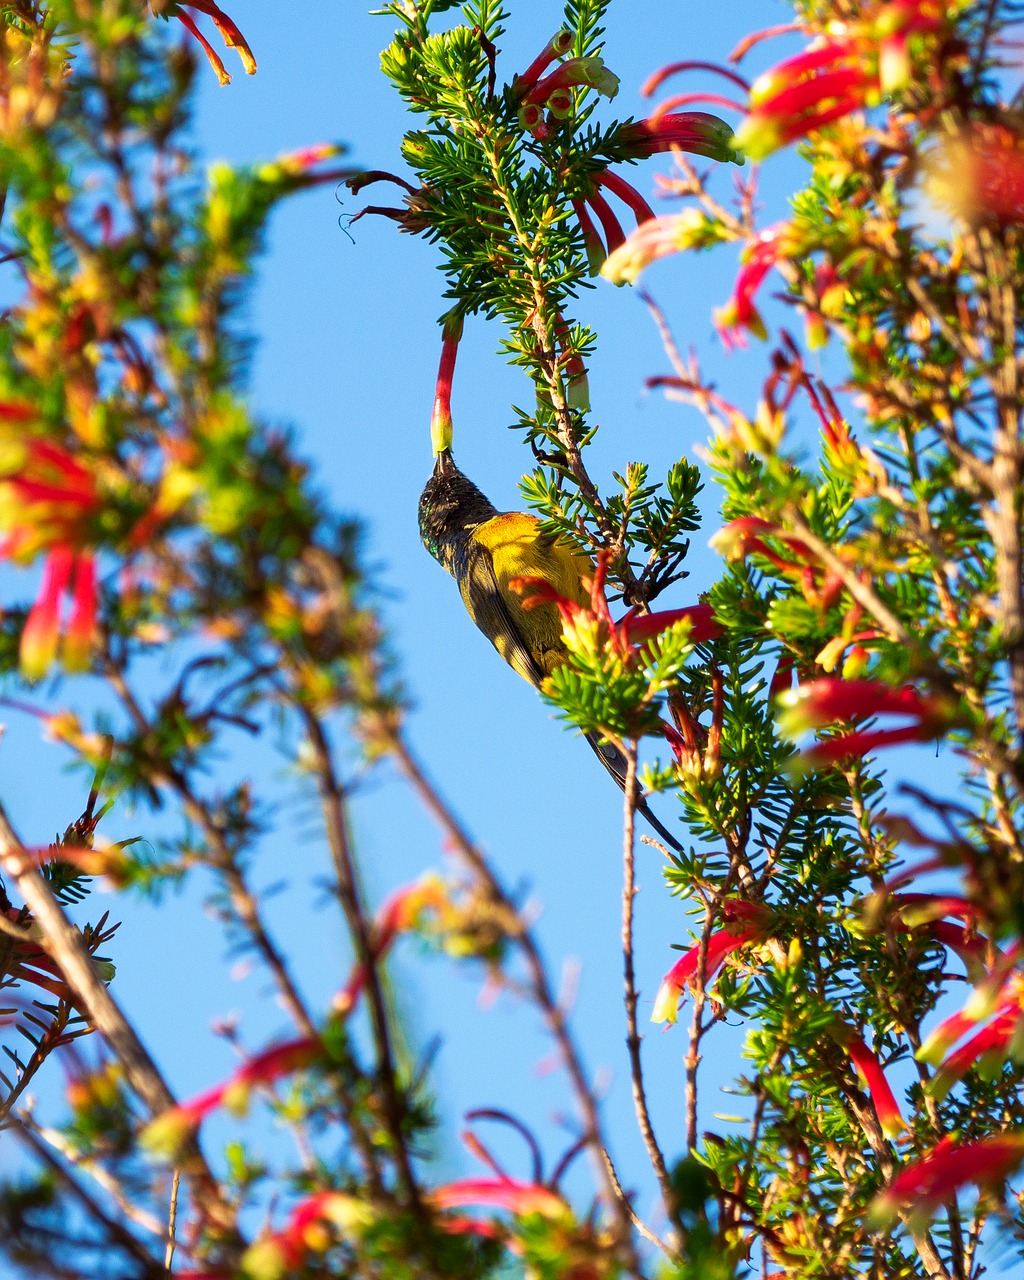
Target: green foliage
x=887, y=559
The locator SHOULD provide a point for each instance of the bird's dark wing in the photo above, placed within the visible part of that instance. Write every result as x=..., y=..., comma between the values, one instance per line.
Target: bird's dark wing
x=616, y=764
x=488, y=609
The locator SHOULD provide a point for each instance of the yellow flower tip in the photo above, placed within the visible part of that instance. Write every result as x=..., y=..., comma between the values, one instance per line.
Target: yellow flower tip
x=623, y=265
x=347, y=1213
x=441, y=433
x=832, y=652
x=893, y=1126
x=756, y=138
x=236, y=1097
x=265, y=1260
x=666, y=1004
x=38, y=651
x=166, y=1135
x=883, y=1212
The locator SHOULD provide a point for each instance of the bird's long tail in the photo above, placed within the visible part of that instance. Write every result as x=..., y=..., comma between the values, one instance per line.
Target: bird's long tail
x=616, y=764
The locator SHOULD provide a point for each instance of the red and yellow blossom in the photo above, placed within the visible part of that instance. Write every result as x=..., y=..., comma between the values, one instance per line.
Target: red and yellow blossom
x=760, y=255
x=926, y=1184
x=312, y=1227
x=979, y=174
x=49, y=501
x=819, y=703
x=583, y=625
x=745, y=922
x=401, y=913
x=851, y=67
x=519, y=1198
x=872, y=1079
x=657, y=238
x=167, y=1132
x=229, y=33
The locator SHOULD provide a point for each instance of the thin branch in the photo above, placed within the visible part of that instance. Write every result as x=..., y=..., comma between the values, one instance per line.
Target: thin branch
x=172, y=1220
x=336, y=825
x=540, y=987
x=103, y=1179
x=71, y=954
x=222, y=860
x=117, y=1233
x=633, y=1038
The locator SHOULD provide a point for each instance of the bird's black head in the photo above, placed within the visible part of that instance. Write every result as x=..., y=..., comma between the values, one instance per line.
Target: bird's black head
x=450, y=507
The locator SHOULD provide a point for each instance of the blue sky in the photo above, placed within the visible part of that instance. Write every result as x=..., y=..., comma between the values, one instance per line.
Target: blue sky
x=346, y=354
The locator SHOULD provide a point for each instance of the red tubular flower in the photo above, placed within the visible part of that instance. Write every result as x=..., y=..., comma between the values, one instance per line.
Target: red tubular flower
x=654, y=81
x=698, y=132
x=802, y=94
x=400, y=913
x=822, y=702
x=285, y=1251
x=610, y=225
x=701, y=617
x=852, y=745
x=922, y=908
x=229, y=33
x=923, y=912
x=721, y=944
x=741, y=537
x=592, y=242
x=1000, y=993
x=47, y=501
x=46, y=498
x=168, y=1131
x=657, y=238
x=872, y=1077
x=929, y=1182
x=834, y=77
x=989, y=1047
x=739, y=313
x=81, y=629
x=68, y=573
x=946, y=1034
x=574, y=73
x=631, y=629
x=818, y=703
x=557, y=47
x=441, y=417
x=28, y=962
x=519, y=1198
x=629, y=195
x=41, y=634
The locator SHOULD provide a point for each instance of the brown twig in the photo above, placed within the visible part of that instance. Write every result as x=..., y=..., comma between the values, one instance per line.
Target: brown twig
x=172, y=1220
x=633, y=1038
x=336, y=825
x=551, y=1011
x=117, y=1233
x=66, y=945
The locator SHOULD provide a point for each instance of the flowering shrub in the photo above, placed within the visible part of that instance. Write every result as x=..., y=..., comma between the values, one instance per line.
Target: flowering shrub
x=871, y=596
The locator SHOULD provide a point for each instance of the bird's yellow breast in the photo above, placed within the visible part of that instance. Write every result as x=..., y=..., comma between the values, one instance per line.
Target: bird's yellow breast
x=518, y=549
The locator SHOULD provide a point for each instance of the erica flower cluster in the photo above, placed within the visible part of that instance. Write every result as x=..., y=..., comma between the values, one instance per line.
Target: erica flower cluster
x=745, y=923
x=819, y=703
x=853, y=66
x=48, y=504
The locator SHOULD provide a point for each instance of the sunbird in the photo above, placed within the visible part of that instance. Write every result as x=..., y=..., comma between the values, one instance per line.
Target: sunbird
x=484, y=549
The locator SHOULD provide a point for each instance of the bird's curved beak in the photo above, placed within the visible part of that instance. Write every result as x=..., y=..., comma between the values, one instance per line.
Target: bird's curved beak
x=444, y=463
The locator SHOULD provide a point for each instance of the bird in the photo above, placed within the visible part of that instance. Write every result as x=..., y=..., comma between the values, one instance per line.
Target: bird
x=484, y=549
